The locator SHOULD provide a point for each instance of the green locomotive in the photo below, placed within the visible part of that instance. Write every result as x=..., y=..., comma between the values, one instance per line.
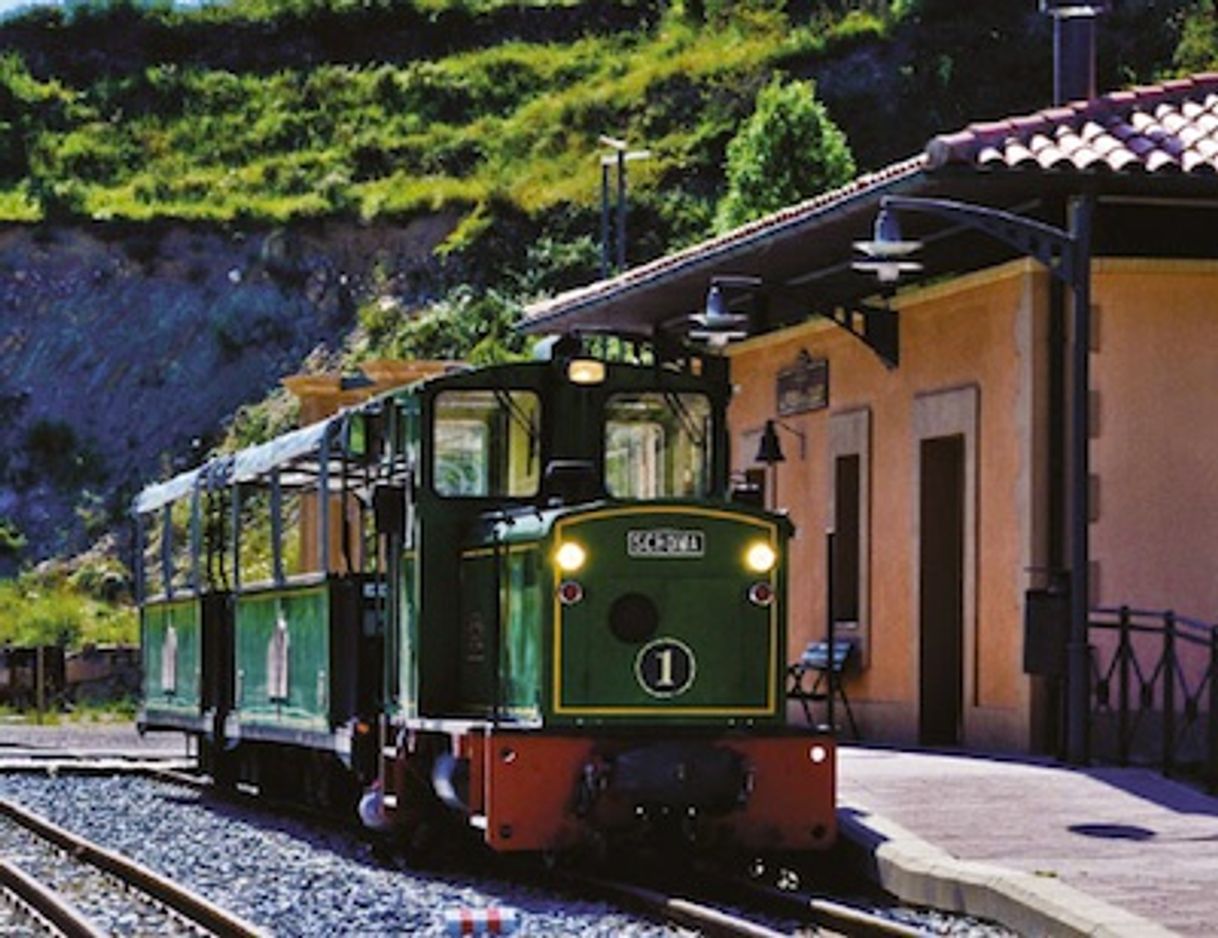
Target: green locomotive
x=519, y=593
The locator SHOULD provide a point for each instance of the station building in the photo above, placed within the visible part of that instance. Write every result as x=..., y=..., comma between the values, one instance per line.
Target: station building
x=928, y=421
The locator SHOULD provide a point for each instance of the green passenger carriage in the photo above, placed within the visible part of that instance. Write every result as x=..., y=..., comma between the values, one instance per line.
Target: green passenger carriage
x=521, y=593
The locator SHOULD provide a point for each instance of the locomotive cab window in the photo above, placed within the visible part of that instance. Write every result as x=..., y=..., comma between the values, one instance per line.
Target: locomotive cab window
x=657, y=445
x=486, y=444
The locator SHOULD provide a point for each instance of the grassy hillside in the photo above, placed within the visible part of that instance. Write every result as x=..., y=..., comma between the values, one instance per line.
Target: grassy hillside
x=279, y=110
x=286, y=109
x=511, y=124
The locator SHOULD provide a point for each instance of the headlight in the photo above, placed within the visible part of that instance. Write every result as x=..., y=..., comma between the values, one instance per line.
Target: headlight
x=760, y=557
x=570, y=556
x=586, y=371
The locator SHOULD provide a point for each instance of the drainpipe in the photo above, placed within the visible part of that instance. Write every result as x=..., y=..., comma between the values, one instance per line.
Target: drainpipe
x=1078, y=655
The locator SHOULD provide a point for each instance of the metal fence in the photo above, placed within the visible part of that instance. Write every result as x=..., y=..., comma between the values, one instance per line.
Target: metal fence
x=1155, y=691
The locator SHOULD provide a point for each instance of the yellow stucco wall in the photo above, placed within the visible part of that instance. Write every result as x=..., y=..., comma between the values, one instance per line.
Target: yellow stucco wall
x=1156, y=452
x=981, y=331
x=1153, y=455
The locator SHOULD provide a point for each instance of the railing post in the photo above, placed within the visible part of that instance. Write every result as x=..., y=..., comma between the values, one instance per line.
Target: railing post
x=1169, y=691
x=1123, y=652
x=1211, y=751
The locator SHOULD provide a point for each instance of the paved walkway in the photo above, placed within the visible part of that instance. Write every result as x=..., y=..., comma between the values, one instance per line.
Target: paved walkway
x=1047, y=850
x=111, y=738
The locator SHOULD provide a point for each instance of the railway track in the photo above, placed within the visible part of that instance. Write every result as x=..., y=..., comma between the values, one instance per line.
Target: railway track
x=689, y=908
x=816, y=914
x=81, y=889
x=832, y=916
x=32, y=905
x=707, y=919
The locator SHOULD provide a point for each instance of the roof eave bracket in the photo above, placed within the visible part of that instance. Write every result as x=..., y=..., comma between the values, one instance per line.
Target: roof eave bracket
x=876, y=327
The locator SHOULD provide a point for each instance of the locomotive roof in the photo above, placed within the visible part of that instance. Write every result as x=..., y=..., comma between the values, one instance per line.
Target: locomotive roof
x=293, y=448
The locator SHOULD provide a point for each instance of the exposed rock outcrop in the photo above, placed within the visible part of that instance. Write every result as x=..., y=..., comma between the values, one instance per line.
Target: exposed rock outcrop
x=124, y=350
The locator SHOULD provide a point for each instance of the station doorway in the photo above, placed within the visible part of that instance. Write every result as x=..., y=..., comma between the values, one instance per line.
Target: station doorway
x=941, y=591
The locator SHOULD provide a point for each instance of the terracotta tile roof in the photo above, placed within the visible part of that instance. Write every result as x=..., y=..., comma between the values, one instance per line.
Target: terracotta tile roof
x=724, y=246
x=1166, y=128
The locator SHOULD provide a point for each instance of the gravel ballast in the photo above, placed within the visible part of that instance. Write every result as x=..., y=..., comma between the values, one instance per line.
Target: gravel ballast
x=286, y=876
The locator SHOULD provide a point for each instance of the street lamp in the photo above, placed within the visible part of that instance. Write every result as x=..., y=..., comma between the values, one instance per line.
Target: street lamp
x=621, y=155
x=1066, y=253
x=887, y=251
x=717, y=325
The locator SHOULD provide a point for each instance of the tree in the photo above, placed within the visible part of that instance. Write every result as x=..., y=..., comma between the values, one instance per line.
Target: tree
x=788, y=150
x=1198, y=48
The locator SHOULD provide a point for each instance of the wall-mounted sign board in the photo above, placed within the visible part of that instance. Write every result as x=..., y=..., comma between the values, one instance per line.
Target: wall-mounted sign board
x=803, y=386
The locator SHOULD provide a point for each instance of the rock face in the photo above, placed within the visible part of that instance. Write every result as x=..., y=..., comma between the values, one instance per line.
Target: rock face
x=123, y=350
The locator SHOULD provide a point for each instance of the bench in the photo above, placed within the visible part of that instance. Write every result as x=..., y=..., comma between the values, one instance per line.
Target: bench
x=808, y=678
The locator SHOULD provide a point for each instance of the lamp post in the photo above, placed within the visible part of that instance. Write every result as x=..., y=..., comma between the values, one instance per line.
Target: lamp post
x=621, y=155
x=1066, y=253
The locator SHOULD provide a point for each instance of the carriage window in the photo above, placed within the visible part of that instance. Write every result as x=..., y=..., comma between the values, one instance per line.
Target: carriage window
x=486, y=444
x=657, y=445
x=152, y=530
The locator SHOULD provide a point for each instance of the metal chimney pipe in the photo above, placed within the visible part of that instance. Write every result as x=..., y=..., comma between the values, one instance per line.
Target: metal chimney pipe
x=1074, y=31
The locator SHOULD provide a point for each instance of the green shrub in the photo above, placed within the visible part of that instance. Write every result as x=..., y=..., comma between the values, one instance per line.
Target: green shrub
x=12, y=541
x=856, y=28
x=262, y=421
x=102, y=578
x=46, y=609
x=469, y=324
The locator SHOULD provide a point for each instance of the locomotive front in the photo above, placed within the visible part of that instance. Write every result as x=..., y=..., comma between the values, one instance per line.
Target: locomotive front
x=666, y=612
x=667, y=662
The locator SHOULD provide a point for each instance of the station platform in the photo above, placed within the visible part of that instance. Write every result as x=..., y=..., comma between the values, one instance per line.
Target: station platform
x=1038, y=847
x=117, y=739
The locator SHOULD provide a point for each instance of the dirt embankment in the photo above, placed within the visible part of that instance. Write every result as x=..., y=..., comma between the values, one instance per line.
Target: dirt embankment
x=124, y=350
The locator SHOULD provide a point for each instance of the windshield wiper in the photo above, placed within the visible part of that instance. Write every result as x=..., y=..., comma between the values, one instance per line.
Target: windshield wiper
x=688, y=422
x=519, y=417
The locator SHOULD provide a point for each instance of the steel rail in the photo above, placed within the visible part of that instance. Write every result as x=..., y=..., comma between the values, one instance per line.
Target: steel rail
x=708, y=920
x=194, y=907
x=47, y=904
x=176, y=777
x=834, y=914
